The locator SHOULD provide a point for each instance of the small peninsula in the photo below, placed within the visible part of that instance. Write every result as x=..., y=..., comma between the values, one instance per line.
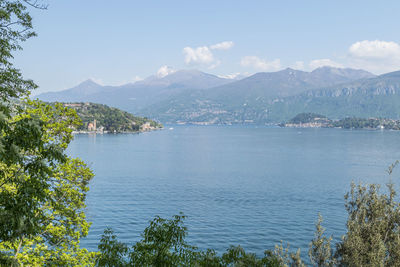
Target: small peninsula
x=313, y=120
x=99, y=118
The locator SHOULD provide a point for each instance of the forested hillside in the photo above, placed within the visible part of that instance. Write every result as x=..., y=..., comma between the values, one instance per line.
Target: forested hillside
x=111, y=119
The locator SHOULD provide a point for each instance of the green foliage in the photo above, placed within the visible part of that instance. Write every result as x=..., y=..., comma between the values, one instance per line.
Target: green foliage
x=373, y=228
x=306, y=117
x=286, y=258
x=113, y=252
x=358, y=123
x=236, y=256
x=112, y=119
x=33, y=144
x=15, y=27
x=164, y=244
x=43, y=191
x=370, y=123
x=320, y=251
x=346, y=123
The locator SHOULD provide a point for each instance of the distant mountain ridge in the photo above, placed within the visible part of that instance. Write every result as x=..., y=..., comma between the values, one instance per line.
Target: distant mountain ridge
x=288, y=82
x=134, y=97
x=250, y=99
x=189, y=78
x=197, y=97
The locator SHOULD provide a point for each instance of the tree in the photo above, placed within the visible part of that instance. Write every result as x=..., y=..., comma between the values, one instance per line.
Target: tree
x=46, y=202
x=42, y=190
x=163, y=244
x=15, y=27
x=373, y=228
x=113, y=252
x=320, y=251
x=18, y=137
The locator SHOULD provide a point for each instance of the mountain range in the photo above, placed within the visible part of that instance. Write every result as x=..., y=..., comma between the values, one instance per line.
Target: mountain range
x=191, y=96
x=133, y=97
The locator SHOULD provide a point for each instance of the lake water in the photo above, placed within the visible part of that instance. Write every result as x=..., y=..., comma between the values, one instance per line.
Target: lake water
x=252, y=186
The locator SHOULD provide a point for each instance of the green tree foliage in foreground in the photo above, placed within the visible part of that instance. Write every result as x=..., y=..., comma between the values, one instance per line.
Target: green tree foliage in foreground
x=373, y=227
x=44, y=206
x=15, y=27
x=42, y=190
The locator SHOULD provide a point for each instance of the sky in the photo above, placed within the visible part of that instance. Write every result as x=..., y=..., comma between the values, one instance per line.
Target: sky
x=122, y=41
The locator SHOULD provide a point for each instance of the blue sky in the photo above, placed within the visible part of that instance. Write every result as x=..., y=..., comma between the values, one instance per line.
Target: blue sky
x=116, y=42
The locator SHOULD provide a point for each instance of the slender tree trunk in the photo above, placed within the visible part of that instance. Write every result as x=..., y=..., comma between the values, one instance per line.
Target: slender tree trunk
x=18, y=249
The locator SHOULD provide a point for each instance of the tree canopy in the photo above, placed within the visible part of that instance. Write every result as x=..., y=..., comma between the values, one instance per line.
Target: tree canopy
x=42, y=190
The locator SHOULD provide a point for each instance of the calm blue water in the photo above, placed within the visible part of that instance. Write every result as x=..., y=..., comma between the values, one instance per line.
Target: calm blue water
x=251, y=186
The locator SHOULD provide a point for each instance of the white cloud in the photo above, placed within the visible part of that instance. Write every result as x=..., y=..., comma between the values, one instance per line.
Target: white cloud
x=96, y=80
x=133, y=80
x=202, y=55
x=375, y=50
x=376, y=56
x=199, y=55
x=136, y=79
x=324, y=62
x=235, y=76
x=298, y=65
x=260, y=64
x=164, y=71
x=116, y=83
x=223, y=45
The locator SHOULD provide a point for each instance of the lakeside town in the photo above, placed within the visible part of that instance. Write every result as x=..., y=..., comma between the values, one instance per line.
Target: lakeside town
x=92, y=128
x=313, y=120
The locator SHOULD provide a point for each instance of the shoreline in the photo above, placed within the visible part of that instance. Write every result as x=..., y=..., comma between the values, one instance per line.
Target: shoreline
x=115, y=132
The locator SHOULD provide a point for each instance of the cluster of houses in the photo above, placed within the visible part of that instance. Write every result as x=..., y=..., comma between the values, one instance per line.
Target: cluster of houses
x=146, y=127
x=315, y=123
x=75, y=105
x=92, y=127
